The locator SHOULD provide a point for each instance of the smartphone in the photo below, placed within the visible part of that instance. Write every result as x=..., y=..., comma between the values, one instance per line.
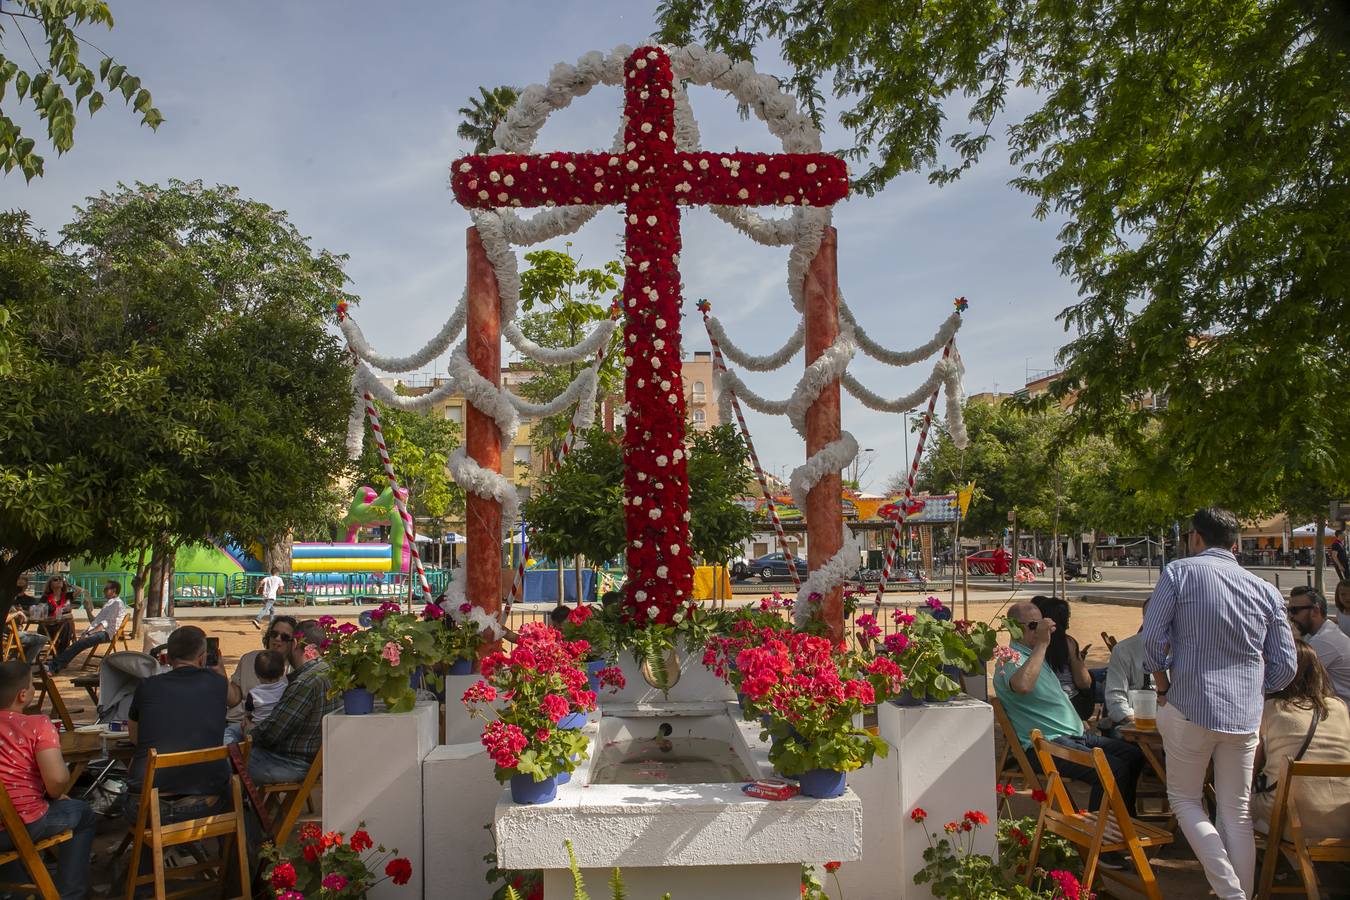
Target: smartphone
x=213, y=651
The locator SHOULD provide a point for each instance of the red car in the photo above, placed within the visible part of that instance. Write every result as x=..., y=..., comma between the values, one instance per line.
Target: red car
x=984, y=562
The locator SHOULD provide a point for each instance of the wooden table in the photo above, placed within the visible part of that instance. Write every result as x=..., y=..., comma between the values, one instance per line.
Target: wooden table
x=1150, y=743
x=80, y=748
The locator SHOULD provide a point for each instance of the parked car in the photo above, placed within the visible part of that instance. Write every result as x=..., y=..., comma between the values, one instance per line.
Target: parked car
x=982, y=562
x=775, y=565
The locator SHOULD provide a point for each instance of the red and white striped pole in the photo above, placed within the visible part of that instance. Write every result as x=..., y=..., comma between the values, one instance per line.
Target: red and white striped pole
x=909, y=483
x=705, y=307
x=410, y=530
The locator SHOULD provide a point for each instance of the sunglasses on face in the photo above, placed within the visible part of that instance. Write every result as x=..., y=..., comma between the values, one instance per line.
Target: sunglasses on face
x=1031, y=626
x=280, y=636
x=1295, y=610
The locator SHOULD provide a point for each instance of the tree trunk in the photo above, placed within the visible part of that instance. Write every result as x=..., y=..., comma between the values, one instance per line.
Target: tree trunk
x=278, y=555
x=161, y=576
x=1319, y=551
x=138, y=593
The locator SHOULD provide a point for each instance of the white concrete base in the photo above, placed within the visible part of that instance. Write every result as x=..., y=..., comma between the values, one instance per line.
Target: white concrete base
x=941, y=759
x=372, y=773
x=460, y=795
x=670, y=826
x=460, y=727
x=780, y=882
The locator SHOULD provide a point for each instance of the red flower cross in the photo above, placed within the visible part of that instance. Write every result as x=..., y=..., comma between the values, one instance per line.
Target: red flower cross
x=652, y=179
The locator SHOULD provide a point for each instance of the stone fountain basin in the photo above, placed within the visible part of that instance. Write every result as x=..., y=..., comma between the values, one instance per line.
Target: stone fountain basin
x=671, y=824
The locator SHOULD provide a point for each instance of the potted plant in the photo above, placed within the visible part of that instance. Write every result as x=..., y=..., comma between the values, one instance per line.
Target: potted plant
x=327, y=865
x=932, y=649
x=524, y=696
x=458, y=635
x=808, y=694
x=597, y=629
x=379, y=661
x=953, y=870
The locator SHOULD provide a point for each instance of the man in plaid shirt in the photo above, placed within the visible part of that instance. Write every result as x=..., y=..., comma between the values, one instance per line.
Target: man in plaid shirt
x=285, y=744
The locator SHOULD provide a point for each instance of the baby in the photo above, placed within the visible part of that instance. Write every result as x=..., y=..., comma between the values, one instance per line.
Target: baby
x=270, y=667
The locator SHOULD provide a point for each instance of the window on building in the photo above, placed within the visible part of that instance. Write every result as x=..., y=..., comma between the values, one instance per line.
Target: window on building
x=700, y=393
x=699, y=417
x=455, y=414
x=523, y=456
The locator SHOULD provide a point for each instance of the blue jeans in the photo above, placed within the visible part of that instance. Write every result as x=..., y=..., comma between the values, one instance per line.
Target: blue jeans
x=64, y=657
x=266, y=767
x=234, y=734
x=266, y=611
x=32, y=645
x=72, y=860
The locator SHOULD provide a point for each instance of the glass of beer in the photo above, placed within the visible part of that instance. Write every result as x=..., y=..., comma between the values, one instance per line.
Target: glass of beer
x=1145, y=705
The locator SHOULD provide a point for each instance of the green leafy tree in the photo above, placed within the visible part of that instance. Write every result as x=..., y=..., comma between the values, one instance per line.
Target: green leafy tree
x=174, y=378
x=483, y=114
x=578, y=510
x=562, y=301
x=1199, y=158
x=418, y=444
x=28, y=27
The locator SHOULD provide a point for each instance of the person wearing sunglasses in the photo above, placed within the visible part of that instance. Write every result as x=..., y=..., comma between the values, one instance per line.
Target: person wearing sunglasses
x=279, y=636
x=1308, y=615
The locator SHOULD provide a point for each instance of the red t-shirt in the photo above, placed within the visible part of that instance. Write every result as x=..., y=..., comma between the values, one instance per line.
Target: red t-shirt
x=21, y=737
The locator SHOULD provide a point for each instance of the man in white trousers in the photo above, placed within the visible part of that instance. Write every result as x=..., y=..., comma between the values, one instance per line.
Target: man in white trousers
x=1217, y=638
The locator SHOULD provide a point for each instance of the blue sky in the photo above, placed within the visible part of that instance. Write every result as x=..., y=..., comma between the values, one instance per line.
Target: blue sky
x=343, y=114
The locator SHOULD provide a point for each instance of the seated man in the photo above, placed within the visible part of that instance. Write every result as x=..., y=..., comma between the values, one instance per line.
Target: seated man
x=31, y=642
x=1308, y=615
x=286, y=743
x=100, y=631
x=1032, y=697
x=1124, y=673
x=35, y=775
x=182, y=709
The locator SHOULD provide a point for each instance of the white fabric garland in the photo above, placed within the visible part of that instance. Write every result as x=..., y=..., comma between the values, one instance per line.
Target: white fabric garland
x=835, y=572
x=900, y=357
x=766, y=363
x=946, y=373
x=356, y=340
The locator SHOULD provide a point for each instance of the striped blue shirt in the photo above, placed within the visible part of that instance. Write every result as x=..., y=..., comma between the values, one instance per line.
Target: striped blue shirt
x=1229, y=639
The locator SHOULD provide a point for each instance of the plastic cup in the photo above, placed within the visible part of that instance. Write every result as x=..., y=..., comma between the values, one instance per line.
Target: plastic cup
x=1145, y=705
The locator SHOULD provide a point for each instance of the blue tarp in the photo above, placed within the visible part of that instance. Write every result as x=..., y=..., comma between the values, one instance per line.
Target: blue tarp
x=541, y=585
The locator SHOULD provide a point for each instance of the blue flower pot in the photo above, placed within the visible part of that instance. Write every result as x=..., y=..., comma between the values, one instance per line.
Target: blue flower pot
x=823, y=783
x=562, y=778
x=573, y=721
x=906, y=698
x=593, y=674
x=525, y=790
x=358, y=702
x=461, y=667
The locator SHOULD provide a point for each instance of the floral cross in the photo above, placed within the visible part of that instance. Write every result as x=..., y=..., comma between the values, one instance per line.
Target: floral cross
x=652, y=179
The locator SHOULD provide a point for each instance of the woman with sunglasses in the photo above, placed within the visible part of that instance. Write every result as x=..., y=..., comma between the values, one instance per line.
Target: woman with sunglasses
x=279, y=636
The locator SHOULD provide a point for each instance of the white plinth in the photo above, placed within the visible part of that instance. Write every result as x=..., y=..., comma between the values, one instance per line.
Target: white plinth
x=372, y=773
x=941, y=759
x=780, y=882
x=459, y=795
x=677, y=826
x=460, y=727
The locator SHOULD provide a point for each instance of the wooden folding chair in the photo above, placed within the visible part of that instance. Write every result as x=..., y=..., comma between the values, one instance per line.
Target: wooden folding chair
x=1300, y=852
x=1109, y=829
x=13, y=647
x=291, y=800
x=27, y=852
x=1012, y=752
x=98, y=651
x=150, y=833
x=47, y=689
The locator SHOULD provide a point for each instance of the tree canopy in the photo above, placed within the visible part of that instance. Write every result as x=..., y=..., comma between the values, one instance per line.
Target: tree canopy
x=578, y=510
x=561, y=302
x=172, y=377
x=1198, y=155
x=483, y=114
x=43, y=86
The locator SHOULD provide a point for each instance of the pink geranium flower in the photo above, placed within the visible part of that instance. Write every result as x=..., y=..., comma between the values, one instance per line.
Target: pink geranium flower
x=391, y=652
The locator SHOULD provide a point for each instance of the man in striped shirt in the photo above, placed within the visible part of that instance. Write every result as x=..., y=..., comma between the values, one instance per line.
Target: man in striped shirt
x=1220, y=636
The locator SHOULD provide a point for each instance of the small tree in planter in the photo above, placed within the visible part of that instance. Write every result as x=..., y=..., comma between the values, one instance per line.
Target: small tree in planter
x=808, y=695
x=381, y=660
x=525, y=696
